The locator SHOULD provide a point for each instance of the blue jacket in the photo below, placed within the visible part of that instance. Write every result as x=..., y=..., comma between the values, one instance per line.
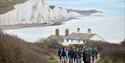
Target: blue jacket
x=71, y=54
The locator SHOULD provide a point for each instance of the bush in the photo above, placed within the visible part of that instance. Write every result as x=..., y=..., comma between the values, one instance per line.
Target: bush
x=123, y=43
x=114, y=54
x=77, y=45
x=49, y=43
x=15, y=50
x=105, y=60
x=10, y=50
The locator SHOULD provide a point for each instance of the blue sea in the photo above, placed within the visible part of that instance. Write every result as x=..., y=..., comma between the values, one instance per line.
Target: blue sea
x=112, y=29
x=111, y=26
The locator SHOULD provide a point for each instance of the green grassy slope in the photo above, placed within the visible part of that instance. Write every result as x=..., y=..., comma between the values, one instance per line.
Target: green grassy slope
x=7, y=5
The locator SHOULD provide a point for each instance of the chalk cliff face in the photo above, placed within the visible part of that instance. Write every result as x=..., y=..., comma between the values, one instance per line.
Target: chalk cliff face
x=35, y=11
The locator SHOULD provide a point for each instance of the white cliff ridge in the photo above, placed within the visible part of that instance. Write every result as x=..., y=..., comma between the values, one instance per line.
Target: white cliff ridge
x=35, y=11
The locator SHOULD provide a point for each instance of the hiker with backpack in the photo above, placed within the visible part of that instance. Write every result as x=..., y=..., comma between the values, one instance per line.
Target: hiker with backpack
x=84, y=54
x=95, y=53
x=66, y=53
x=75, y=53
x=88, y=57
x=60, y=54
x=71, y=55
x=64, y=60
x=67, y=50
x=91, y=51
x=78, y=56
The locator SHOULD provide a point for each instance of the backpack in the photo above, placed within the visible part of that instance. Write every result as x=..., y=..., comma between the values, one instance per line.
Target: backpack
x=91, y=51
x=88, y=56
x=95, y=51
x=79, y=54
x=71, y=54
x=63, y=53
x=84, y=54
x=59, y=52
x=75, y=53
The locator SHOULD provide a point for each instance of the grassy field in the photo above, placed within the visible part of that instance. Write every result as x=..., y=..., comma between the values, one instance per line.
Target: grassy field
x=7, y=5
x=53, y=59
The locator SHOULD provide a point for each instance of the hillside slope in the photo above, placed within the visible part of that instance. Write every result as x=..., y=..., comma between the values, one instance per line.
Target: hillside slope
x=16, y=50
x=7, y=5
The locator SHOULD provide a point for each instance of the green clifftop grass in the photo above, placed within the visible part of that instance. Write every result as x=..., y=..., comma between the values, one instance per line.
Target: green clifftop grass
x=7, y=5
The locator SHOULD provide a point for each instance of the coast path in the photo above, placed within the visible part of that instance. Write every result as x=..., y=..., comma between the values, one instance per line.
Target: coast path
x=82, y=61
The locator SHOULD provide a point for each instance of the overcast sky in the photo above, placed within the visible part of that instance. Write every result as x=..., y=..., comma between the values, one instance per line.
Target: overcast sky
x=109, y=7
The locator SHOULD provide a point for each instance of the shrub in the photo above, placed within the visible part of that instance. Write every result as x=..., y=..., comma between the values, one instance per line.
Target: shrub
x=15, y=50
x=105, y=60
x=114, y=54
x=123, y=43
x=10, y=50
x=49, y=43
x=77, y=45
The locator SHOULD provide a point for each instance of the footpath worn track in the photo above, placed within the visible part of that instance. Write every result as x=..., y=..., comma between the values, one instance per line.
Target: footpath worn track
x=82, y=61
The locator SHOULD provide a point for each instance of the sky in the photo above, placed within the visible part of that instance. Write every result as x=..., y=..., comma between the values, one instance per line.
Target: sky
x=108, y=7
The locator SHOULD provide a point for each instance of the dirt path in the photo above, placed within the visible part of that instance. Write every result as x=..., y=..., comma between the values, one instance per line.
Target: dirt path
x=81, y=59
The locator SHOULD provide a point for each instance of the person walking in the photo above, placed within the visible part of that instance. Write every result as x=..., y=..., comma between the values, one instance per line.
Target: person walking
x=60, y=54
x=88, y=57
x=91, y=51
x=63, y=55
x=71, y=55
x=95, y=52
x=75, y=53
x=67, y=50
x=84, y=54
x=78, y=56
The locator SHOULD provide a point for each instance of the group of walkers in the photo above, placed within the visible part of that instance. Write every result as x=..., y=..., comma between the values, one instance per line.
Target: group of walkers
x=73, y=55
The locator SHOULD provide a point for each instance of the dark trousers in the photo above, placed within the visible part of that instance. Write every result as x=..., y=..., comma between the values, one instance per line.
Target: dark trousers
x=70, y=60
x=60, y=58
x=84, y=59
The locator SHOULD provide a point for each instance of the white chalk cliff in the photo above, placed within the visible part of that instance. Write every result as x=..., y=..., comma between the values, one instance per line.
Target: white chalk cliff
x=35, y=11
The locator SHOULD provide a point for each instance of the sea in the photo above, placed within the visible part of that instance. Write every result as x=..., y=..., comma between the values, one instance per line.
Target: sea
x=110, y=26
x=112, y=29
